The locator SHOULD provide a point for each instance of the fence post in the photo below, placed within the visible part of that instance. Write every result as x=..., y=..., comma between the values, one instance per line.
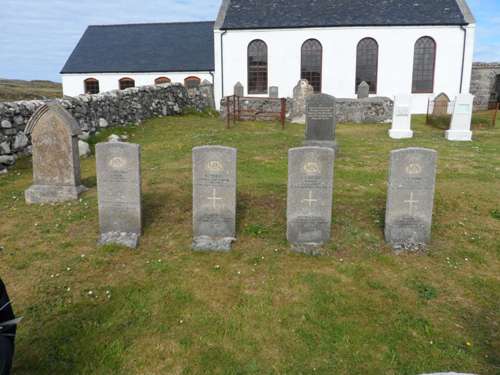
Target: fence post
x=428, y=107
x=282, y=114
x=234, y=109
x=239, y=109
x=228, y=113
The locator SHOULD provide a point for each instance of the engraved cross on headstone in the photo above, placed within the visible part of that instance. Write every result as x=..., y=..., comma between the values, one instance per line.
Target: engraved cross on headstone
x=412, y=204
x=310, y=200
x=214, y=199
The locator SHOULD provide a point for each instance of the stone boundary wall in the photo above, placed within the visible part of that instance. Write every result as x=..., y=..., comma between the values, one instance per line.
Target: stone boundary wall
x=94, y=112
x=483, y=83
x=358, y=111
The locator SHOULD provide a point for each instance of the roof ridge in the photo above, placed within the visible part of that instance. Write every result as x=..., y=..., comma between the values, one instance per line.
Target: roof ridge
x=153, y=23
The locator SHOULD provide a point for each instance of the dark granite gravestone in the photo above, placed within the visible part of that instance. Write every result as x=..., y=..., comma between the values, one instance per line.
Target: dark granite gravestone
x=363, y=90
x=214, y=198
x=320, y=121
x=239, y=90
x=274, y=92
x=119, y=193
x=56, y=162
x=410, y=199
x=310, y=196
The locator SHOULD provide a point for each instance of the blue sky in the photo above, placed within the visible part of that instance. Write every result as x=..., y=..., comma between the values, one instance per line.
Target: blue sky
x=37, y=36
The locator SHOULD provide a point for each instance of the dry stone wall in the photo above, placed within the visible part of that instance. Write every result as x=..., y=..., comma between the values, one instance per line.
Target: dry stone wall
x=483, y=81
x=94, y=112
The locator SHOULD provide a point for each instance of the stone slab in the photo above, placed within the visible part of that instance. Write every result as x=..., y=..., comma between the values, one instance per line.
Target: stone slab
x=119, y=193
x=37, y=194
x=274, y=92
x=410, y=200
x=401, y=119
x=461, y=121
x=214, y=198
x=310, y=198
x=363, y=90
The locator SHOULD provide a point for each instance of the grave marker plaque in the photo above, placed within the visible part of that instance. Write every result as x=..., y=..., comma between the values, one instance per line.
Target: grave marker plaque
x=401, y=118
x=310, y=196
x=363, y=90
x=239, y=90
x=410, y=199
x=273, y=92
x=320, y=121
x=119, y=193
x=460, y=128
x=56, y=161
x=214, y=198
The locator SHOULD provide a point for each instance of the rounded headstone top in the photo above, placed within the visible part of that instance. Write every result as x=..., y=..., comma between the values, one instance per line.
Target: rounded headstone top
x=54, y=109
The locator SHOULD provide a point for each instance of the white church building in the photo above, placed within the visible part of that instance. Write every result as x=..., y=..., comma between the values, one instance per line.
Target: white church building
x=417, y=47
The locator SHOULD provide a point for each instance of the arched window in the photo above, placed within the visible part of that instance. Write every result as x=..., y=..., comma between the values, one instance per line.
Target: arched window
x=192, y=82
x=367, y=63
x=161, y=80
x=257, y=67
x=126, y=83
x=91, y=86
x=311, y=63
x=424, y=62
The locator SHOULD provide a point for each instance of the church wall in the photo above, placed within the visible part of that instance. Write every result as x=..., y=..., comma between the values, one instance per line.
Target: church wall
x=73, y=84
x=396, y=46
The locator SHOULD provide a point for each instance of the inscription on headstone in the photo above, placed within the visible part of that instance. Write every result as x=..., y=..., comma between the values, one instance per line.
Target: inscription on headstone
x=410, y=199
x=320, y=121
x=119, y=193
x=460, y=128
x=56, y=162
x=363, y=90
x=310, y=196
x=401, y=119
x=214, y=198
x=274, y=92
x=239, y=90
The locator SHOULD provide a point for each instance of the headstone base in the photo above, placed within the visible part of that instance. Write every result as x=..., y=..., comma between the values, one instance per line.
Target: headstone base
x=400, y=134
x=327, y=144
x=457, y=135
x=314, y=249
x=130, y=240
x=37, y=194
x=205, y=243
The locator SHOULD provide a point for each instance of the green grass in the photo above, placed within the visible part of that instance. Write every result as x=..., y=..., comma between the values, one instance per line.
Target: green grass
x=13, y=90
x=163, y=309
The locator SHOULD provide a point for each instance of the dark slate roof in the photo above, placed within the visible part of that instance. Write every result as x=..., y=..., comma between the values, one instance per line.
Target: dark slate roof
x=156, y=47
x=268, y=14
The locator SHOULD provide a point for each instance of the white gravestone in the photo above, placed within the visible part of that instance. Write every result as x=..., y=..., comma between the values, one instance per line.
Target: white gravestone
x=119, y=193
x=460, y=128
x=309, y=198
x=401, y=118
x=214, y=198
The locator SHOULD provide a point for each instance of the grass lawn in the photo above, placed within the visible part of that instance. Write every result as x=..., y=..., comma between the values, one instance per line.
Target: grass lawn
x=260, y=309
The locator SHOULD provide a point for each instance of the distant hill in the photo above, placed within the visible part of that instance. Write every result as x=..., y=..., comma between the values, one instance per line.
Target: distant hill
x=14, y=89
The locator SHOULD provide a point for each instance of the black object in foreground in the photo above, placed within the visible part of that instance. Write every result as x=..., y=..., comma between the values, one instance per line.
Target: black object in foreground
x=8, y=325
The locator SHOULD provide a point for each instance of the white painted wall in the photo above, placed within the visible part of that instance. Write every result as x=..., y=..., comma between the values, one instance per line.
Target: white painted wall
x=73, y=84
x=396, y=47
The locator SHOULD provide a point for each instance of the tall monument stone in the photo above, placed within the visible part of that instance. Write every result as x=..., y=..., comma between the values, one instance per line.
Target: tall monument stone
x=401, y=118
x=460, y=128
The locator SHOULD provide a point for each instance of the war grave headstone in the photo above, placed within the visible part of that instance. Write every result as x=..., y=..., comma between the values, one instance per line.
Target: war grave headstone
x=214, y=198
x=410, y=198
x=56, y=162
x=239, y=90
x=320, y=121
x=310, y=197
x=274, y=92
x=441, y=104
x=401, y=118
x=460, y=128
x=363, y=90
x=119, y=193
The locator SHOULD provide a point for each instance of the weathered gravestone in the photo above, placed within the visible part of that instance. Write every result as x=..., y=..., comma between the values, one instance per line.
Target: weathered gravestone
x=119, y=193
x=310, y=196
x=274, y=92
x=320, y=121
x=56, y=162
x=441, y=104
x=363, y=90
x=301, y=92
x=410, y=199
x=461, y=119
x=401, y=118
x=239, y=90
x=214, y=198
